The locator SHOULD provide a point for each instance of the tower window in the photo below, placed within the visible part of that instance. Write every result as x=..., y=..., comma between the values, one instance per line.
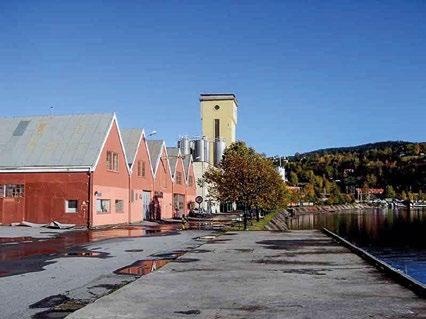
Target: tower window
x=216, y=107
x=216, y=128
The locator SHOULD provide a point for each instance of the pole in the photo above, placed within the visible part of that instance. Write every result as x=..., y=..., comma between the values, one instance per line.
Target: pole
x=202, y=188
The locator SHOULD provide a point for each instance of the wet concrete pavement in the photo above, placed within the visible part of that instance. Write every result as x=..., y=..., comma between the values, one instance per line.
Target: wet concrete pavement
x=41, y=268
x=302, y=274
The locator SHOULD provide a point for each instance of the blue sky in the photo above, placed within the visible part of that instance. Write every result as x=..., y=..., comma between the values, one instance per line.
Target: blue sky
x=307, y=74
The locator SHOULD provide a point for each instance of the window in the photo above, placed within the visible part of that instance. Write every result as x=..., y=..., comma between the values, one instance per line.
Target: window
x=12, y=190
x=71, y=206
x=112, y=161
x=179, y=178
x=141, y=168
x=103, y=205
x=216, y=107
x=119, y=206
x=216, y=128
x=190, y=181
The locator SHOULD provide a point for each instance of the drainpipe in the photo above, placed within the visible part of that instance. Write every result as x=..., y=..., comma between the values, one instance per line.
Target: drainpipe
x=129, y=201
x=90, y=201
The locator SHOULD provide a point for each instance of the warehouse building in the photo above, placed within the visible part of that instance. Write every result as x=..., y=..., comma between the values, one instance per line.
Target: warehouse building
x=80, y=169
x=72, y=169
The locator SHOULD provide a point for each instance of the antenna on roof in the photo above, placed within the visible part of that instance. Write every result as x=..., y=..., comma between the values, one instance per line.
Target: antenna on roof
x=51, y=110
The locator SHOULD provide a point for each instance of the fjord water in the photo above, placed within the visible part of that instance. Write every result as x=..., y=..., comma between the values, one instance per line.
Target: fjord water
x=398, y=237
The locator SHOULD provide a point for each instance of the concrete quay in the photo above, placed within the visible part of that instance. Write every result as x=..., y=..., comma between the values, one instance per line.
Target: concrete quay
x=298, y=274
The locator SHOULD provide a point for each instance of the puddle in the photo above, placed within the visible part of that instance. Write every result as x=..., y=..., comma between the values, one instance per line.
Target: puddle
x=51, y=314
x=297, y=244
x=244, y=250
x=50, y=301
x=28, y=254
x=87, y=253
x=189, y=312
x=185, y=260
x=201, y=251
x=133, y=250
x=62, y=310
x=142, y=267
x=208, y=237
x=306, y=271
x=172, y=255
x=252, y=308
x=292, y=262
x=9, y=240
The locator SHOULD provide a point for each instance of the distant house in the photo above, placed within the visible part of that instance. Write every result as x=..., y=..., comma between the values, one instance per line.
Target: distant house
x=162, y=199
x=71, y=168
x=369, y=193
x=141, y=174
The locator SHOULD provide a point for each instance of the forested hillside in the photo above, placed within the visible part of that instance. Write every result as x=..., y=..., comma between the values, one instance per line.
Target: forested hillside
x=399, y=167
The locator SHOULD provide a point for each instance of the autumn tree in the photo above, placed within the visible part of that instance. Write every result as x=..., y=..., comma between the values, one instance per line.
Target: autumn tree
x=248, y=178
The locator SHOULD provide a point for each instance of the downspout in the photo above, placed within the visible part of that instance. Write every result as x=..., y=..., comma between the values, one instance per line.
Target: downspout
x=130, y=199
x=90, y=204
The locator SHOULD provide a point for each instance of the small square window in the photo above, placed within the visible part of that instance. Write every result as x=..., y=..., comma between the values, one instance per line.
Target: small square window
x=71, y=206
x=112, y=161
x=179, y=178
x=103, y=205
x=119, y=206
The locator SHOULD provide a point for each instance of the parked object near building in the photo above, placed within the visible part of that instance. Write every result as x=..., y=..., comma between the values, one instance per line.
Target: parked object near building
x=141, y=175
x=162, y=203
x=71, y=169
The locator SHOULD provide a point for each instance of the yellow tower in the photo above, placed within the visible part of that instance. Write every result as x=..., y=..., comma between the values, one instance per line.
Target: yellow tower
x=218, y=120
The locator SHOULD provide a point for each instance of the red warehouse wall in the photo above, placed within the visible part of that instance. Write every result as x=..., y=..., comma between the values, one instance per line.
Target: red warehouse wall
x=163, y=184
x=139, y=184
x=111, y=185
x=44, y=198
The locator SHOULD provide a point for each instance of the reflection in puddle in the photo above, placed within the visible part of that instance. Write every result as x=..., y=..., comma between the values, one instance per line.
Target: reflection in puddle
x=145, y=266
x=142, y=267
x=28, y=254
x=14, y=240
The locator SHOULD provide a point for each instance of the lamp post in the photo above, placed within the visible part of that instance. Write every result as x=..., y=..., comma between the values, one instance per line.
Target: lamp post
x=152, y=133
x=202, y=179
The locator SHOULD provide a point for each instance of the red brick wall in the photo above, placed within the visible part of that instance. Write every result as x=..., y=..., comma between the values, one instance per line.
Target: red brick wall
x=44, y=198
x=163, y=183
x=140, y=183
x=110, y=184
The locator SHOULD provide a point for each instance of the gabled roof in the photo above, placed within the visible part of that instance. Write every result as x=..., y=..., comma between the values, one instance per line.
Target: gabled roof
x=131, y=139
x=173, y=154
x=54, y=142
x=155, y=148
x=187, y=160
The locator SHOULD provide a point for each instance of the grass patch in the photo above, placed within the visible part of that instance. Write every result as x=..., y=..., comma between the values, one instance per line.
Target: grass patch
x=260, y=225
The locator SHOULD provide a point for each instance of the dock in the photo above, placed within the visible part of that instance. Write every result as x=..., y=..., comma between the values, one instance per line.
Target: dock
x=298, y=274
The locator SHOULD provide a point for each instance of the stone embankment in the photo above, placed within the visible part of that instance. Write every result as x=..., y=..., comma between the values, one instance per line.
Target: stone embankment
x=279, y=222
x=325, y=208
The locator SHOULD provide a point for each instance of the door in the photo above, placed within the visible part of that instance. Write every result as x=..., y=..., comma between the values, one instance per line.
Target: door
x=146, y=201
x=178, y=205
